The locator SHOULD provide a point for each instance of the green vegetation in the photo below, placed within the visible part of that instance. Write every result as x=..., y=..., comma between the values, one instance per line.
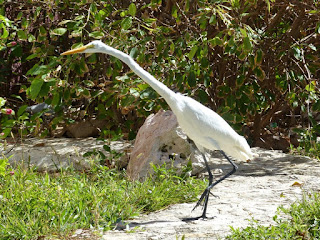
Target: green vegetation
x=255, y=62
x=40, y=204
x=301, y=221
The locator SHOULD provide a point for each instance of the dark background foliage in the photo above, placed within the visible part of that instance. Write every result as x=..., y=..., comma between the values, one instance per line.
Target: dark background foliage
x=255, y=62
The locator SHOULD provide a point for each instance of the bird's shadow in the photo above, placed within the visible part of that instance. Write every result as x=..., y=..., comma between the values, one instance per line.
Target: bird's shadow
x=132, y=225
x=268, y=163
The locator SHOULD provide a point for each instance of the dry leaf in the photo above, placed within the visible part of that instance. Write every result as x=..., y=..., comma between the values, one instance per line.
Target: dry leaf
x=297, y=184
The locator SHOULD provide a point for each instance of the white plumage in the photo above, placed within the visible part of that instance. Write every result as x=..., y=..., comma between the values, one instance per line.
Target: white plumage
x=205, y=127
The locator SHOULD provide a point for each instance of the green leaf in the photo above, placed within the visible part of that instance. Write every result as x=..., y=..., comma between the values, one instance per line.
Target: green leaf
x=231, y=42
x=240, y=80
x=86, y=93
x=59, y=31
x=192, y=79
x=204, y=62
x=42, y=31
x=193, y=51
x=134, y=92
x=216, y=41
x=2, y=102
x=24, y=23
x=36, y=87
x=80, y=17
x=76, y=45
x=258, y=57
x=203, y=96
x=134, y=52
x=36, y=70
x=76, y=33
x=123, y=78
x=107, y=148
x=102, y=109
x=243, y=32
x=127, y=100
x=17, y=51
x=313, y=47
x=64, y=22
x=311, y=87
x=260, y=74
x=242, y=56
x=5, y=33
x=31, y=38
x=56, y=100
x=126, y=23
x=123, y=14
x=213, y=20
x=19, y=16
x=229, y=117
x=21, y=110
x=96, y=34
x=174, y=11
x=318, y=28
x=5, y=132
x=3, y=166
x=66, y=94
x=45, y=89
x=247, y=44
x=251, y=61
x=132, y=9
x=93, y=7
x=22, y=35
x=203, y=22
x=32, y=56
x=316, y=106
x=297, y=53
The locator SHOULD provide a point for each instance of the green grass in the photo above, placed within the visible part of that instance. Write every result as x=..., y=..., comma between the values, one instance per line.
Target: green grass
x=302, y=222
x=35, y=204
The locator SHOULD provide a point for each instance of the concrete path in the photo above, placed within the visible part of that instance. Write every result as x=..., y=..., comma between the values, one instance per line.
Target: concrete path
x=254, y=192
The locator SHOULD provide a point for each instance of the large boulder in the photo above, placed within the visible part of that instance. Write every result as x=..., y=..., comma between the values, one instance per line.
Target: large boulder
x=160, y=140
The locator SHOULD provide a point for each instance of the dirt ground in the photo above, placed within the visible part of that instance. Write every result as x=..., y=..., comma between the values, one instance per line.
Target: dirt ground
x=257, y=189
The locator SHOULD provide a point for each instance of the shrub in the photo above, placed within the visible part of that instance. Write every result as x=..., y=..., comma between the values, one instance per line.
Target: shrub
x=254, y=62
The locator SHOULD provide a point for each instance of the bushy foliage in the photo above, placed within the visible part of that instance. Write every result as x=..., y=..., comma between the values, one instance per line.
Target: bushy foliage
x=255, y=62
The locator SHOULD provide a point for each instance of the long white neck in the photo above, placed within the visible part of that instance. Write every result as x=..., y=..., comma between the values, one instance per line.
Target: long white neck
x=158, y=86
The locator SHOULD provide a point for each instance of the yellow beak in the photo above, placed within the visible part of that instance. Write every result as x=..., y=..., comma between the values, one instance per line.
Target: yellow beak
x=73, y=51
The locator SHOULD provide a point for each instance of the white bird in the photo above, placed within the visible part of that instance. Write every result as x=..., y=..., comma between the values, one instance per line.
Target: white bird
x=205, y=127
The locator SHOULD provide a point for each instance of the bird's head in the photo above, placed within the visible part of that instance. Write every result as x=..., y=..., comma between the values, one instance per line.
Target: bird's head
x=92, y=47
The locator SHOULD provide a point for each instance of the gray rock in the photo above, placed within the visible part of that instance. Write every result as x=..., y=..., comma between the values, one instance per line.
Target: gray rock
x=160, y=140
x=58, y=153
x=39, y=107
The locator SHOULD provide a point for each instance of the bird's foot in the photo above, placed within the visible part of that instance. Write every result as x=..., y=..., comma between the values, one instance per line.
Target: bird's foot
x=216, y=196
x=203, y=198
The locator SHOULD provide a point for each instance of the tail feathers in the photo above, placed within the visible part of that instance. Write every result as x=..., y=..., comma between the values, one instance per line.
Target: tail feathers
x=243, y=150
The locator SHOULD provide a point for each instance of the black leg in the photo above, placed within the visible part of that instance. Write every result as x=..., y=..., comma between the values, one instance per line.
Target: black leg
x=234, y=169
x=205, y=195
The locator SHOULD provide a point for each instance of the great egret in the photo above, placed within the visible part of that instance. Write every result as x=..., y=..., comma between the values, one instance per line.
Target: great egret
x=205, y=127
